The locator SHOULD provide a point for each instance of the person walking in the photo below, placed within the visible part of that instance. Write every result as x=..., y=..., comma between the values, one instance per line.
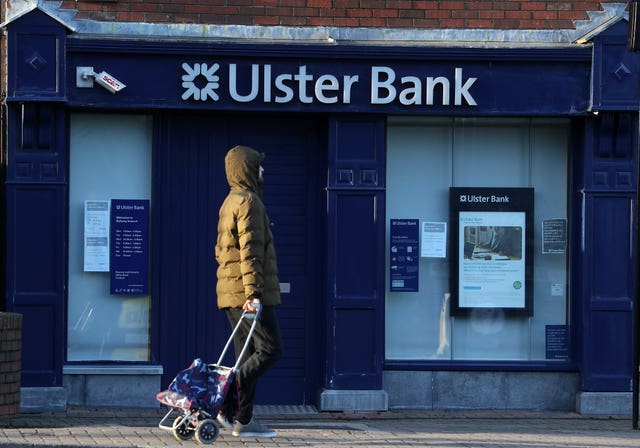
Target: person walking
x=247, y=274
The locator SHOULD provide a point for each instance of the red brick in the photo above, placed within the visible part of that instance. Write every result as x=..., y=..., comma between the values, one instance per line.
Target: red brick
x=452, y=23
x=437, y=14
x=533, y=24
x=358, y=13
x=534, y=6
x=347, y=22
x=318, y=3
x=319, y=21
x=491, y=15
x=410, y=13
x=506, y=24
x=567, y=15
x=372, y=22
x=399, y=4
x=451, y=5
x=197, y=9
x=385, y=13
x=266, y=3
x=483, y=5
x=426, y=23
x=266, y=20
x=293, y=3
x=524, y=15
x=466, y=14
x=294, y=21
x=333, y=12
x=227, y=11
x=559, y=6
x=143, y=7
x=93, y=7
x=372, y=4
x=250, y=11
x=171, y=8
x=507, y=6
x=306, y=12
x=400, y=23
x=240, y=2
x=478, y=23
x=544, y=15
x=419, y=4
x=353, y=4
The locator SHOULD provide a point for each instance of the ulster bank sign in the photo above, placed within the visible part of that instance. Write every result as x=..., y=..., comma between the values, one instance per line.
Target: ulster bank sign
x=303, y=85
x=399, y=81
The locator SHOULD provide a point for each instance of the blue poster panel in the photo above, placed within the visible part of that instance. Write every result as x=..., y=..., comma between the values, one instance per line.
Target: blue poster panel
x=492, y=249
x=404, y=255
x=129, y=249
x=557, y=341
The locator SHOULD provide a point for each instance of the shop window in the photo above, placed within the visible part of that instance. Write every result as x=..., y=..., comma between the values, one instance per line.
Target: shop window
x=110, y=159
x=426, y=157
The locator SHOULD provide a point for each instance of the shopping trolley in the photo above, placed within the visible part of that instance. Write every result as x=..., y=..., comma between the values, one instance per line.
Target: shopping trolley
x=198, y=392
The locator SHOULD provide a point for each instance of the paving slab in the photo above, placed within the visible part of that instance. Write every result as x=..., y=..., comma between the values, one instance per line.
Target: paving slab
x=304, y=427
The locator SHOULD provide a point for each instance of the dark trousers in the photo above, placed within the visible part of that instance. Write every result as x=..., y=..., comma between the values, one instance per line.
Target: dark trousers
x=264, y=350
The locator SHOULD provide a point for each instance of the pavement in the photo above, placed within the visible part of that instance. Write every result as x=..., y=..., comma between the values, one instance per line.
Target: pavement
x=305, y=427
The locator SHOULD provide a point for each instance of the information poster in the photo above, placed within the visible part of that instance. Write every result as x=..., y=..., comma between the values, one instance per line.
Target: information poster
x=404, y=257
x=492, y=236
x=557, y=341
x=129, y=246
x=554, y=236
x=96, y=236
x=434, y=240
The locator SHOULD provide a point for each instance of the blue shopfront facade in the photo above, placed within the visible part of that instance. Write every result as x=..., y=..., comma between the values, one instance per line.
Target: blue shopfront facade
x=321, y=112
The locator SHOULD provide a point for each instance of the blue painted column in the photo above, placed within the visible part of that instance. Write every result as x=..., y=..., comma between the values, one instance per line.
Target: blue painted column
x=605, y=214
x=36, y=202
x=355, y=280
x=606, y=252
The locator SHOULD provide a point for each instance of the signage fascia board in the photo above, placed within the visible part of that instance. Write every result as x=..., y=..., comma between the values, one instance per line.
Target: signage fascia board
x=315, y=78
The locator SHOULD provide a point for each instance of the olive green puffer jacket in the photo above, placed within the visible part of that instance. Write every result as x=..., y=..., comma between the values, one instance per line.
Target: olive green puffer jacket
x=246, y=256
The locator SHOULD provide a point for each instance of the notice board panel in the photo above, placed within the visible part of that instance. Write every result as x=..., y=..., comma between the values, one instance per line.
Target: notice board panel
x=492, y=249
x=404, y=255
x=129, y=249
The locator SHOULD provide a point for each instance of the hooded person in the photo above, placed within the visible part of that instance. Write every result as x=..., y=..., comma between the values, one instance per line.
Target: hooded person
x=247, y=272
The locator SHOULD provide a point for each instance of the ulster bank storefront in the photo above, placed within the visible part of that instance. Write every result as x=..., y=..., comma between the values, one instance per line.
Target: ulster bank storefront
x=454, y=225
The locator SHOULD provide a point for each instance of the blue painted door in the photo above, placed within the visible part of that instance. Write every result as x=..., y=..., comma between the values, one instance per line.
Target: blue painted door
x=189, y=186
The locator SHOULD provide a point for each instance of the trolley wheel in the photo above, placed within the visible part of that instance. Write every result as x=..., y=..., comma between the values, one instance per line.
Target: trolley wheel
x=183, y=432
x=207, y=431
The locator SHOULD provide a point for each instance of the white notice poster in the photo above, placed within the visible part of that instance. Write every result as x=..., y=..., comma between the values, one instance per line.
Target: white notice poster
x=434, y=240
x=96, y=236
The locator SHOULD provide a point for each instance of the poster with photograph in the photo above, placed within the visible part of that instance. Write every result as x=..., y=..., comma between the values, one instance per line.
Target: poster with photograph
x=492, y=267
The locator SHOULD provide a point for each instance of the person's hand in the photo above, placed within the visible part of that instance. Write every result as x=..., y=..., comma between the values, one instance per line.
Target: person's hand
x=251, y=305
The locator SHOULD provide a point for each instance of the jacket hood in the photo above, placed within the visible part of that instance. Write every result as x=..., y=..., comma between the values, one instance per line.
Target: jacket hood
x=242, y=166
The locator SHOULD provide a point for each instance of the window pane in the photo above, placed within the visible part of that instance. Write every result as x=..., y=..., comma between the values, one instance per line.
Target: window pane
x=426, y=156
x=110, y=159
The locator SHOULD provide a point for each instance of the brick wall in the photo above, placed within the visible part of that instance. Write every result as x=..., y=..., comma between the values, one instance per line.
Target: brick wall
x=10, y=362
x=424, y=14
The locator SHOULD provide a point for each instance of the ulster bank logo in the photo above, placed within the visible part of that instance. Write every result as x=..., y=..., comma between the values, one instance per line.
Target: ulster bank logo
x=200, y=82
x=302, y=85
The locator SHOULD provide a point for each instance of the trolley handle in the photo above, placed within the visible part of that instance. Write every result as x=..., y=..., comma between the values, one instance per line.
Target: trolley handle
x=245, y=315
